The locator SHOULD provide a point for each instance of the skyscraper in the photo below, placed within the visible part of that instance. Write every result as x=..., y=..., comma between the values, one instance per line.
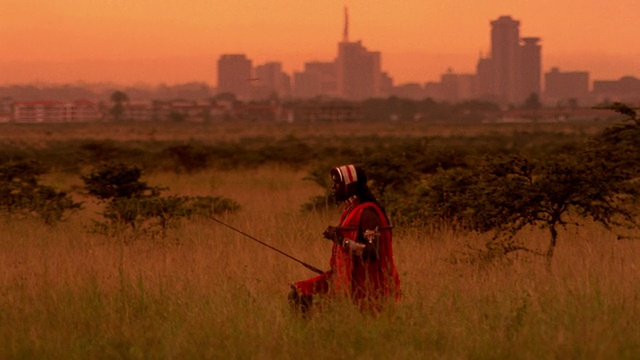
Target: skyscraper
x=234, y=75
x=505, y=55
x=358, y=70
x=531, y=67
x=512, y=72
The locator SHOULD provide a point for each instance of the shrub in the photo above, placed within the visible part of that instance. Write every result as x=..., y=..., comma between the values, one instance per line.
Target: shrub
x=21, y=194
x=132, y=204
x=210, y=205
x=113, y=181
x=188, y=158
x=504, y=194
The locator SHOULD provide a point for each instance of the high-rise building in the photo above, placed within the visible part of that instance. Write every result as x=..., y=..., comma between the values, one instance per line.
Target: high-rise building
x=531, y=67
x=271, y=81
x=234, y=75
x=317, y=79
x=505, y=55
x=359, y=72
x=512, y=72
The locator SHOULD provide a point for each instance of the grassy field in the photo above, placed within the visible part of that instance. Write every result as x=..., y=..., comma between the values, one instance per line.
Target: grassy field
x=206, y=292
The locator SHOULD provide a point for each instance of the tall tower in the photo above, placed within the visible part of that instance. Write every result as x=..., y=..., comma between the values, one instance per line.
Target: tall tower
x=234, y=75
x=358, y=70
x=505, y=55
x=345, y=31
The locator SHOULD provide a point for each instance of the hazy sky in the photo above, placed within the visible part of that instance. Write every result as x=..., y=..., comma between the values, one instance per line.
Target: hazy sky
x=175, y=41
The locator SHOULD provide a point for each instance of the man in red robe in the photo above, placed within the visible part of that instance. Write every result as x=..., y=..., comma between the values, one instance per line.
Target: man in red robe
x=361, y=264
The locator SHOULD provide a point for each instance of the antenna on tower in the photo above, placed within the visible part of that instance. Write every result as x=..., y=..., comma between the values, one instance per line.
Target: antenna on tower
x=345, y=33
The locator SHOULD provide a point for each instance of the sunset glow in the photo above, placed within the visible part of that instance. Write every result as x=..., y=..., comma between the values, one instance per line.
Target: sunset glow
x=171, y=41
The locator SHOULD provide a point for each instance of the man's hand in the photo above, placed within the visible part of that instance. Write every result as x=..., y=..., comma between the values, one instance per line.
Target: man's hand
x=354, y=247
x=332, y=233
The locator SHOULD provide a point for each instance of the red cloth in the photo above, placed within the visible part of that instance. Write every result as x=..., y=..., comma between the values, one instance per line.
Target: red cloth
x=366, y=282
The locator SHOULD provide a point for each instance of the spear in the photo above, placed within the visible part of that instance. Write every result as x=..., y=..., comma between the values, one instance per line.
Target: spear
x=310, y=267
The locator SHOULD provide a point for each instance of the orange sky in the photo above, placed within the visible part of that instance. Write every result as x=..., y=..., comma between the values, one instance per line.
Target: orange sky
x=176, y=41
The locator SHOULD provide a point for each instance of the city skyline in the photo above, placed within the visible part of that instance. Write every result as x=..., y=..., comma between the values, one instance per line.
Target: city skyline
x=176, y=42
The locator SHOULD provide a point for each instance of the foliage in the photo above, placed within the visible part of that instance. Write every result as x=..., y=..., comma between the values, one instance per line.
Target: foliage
x=208, y=206
x=507, y=193
x=131, y=203
x=117, y=111
x=401, y=109
x=395, y=171
x=424, y=154
x=532, y=102
x=199, y=299
x=114, y=181
x=177, y=116
x=21, y=193
x=188, y=158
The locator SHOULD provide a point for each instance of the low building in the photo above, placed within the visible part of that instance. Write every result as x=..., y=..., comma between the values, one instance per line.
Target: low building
x=626, y=90
x=567, y=87
x=555, y=115
x=330, y=111
x=5, y=109
x=191, y=111
x=55, y=111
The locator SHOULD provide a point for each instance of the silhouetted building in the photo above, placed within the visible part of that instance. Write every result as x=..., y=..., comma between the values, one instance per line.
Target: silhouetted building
x=186, y=110
x=433, y=90
x=317, y=79
x=484, y=70
x=566, y=87
x=271, y=81
x=453, y=87
x=505, y=55
x=627, y=89
x=413, y=91
x=6, y=104
x=531, y=67
x=234, y=75
x=358, y=70
x=386, y=84
x=513, y=70
x=458, y=87
x=328, y=111
x=56, y=111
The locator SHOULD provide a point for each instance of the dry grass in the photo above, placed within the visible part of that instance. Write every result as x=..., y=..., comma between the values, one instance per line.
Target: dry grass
x=206, y=292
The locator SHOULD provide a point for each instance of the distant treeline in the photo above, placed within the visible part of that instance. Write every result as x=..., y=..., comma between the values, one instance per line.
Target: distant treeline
x=188, y=156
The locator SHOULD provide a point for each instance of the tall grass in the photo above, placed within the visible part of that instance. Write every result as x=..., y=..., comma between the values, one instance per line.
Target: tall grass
x=207, y=292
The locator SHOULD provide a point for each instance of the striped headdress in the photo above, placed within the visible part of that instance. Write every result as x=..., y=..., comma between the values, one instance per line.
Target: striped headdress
x=347, y=174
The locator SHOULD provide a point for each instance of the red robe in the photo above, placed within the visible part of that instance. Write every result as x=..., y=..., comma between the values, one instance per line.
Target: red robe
x=366, y=282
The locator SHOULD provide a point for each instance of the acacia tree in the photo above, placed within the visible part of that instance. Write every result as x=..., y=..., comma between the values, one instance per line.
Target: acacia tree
x=22, y=194
x=140, y=207
x=506, y=194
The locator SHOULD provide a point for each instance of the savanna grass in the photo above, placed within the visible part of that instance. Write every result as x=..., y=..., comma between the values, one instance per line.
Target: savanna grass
x=207, y=292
